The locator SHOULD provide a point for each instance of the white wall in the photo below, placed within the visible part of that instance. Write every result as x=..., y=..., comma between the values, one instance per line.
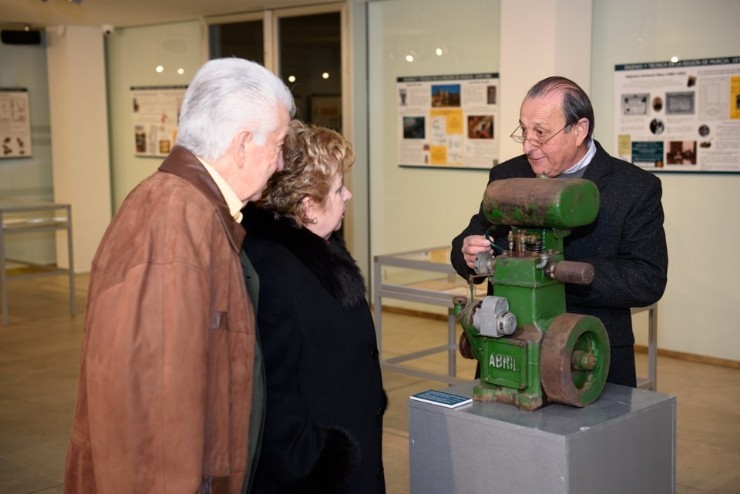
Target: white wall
x=79, y=132
x=132, y=55
x=700, y=312
x=414, y=208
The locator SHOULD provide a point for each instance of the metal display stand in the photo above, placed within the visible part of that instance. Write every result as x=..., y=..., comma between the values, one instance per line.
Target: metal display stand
x=426, y=276
x=423, y=276
x=651, y=382
x=625, y=442
x=20, y=216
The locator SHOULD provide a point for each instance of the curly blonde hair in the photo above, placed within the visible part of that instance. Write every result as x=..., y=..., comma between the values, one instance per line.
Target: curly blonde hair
x=312, y=156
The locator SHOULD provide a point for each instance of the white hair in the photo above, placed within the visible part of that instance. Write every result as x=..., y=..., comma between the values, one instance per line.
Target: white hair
x=227, y=96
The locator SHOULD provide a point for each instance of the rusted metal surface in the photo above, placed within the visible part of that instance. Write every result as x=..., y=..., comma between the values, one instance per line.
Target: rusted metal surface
x=466, y=351
x=579, y=338
x=550, y=203
x=574, y=272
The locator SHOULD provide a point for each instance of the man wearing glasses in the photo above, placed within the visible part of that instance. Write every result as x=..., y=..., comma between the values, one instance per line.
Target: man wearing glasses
x=626, y=244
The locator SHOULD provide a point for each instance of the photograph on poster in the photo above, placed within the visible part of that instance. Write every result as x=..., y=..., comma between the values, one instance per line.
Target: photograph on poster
x=444, y=95
x=681, y=153
x=480, y=126
x=679, y=103
x=635, y=104
x=657, y=104
x=413, y=127
x=679, y=116
x=448, y=121
x=491, y=95
x=657, y=126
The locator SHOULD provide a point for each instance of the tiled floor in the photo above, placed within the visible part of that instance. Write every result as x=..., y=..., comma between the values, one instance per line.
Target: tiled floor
x=39, y=363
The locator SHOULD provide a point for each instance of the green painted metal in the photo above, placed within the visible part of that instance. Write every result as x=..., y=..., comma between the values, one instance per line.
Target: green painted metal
x=550, y=203
x=541, y=213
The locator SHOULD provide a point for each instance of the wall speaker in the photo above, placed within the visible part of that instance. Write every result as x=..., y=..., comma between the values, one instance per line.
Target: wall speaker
x=13, y=37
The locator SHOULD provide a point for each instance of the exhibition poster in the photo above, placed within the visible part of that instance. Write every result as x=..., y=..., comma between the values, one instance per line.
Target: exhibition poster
x=448, y=121
x=15, y=123
x=679, y=116
x=155, y=116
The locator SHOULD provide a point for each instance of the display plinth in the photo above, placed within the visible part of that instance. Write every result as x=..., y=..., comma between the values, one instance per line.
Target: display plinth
x=624, y=442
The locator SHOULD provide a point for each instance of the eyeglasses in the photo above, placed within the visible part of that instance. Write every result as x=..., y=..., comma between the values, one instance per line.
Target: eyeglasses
x=537, y=141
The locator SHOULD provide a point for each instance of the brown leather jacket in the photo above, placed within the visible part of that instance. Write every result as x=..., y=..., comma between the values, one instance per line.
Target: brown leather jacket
x=165, y=384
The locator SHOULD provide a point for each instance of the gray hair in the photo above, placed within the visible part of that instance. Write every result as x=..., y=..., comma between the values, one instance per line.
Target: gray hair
x=576, y=104
x=227, y=96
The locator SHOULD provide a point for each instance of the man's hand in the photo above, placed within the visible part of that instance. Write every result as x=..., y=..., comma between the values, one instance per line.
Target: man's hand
x=472, y=245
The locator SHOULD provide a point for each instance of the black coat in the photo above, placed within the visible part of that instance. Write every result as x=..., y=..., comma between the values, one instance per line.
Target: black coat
x=325, y=399
x=626, y=245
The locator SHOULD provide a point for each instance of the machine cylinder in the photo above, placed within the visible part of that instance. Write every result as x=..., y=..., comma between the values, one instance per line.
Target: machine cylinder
x=573, y=272
x=545, y=202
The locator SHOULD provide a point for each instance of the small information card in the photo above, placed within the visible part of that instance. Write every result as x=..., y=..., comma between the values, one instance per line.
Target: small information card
x=442, y=398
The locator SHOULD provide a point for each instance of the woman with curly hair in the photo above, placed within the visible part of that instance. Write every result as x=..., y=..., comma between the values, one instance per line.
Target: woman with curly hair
x=324, y=392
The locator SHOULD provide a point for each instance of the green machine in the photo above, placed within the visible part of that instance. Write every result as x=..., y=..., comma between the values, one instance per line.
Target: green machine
x=531, y=351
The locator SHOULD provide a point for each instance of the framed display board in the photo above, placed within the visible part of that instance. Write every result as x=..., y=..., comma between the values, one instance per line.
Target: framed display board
x=155, y=115
x=326, y=111
x=448, y=121
x=15, y=123
x=679, y=116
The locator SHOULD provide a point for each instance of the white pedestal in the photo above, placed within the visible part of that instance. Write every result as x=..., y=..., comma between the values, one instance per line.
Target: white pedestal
x=623, y=443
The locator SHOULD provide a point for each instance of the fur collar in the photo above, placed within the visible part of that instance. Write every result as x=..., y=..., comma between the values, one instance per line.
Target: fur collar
x=329, y=261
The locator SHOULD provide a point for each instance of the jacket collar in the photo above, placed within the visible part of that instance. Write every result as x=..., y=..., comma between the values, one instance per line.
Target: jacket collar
x=329, y=261
x=186, y=165
x=599, y=168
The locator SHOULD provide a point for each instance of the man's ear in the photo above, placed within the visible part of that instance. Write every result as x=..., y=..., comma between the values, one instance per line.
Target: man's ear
x=240, y=144
x=581, y=127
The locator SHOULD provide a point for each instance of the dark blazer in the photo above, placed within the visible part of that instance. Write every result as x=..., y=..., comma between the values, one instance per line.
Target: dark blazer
x=626, y=244
x=325, y=398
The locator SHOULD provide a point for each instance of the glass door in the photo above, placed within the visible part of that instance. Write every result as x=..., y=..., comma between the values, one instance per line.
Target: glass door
x=243, y=39
x=308, y=48
x=301, y=45
x=310, y=63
